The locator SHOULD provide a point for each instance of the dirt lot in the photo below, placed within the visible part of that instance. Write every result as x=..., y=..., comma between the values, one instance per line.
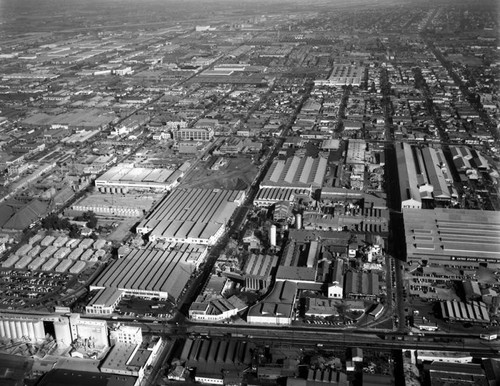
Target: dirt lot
x=238, y=173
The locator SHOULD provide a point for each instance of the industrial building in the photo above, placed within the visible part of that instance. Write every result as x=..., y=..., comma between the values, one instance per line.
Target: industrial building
x=270, y=196
x=216, y=360
x=104, y=302
x=200, y=133
x=114, y=205
x=423, y=176
x=122, y=178
x=63, y=328
x=277, y=307
x=297, y=172
x=213, y=305
x=257, y=271
x=342, y=75
x=362, y=285
x=153, y=273
x=192, y=215
x=217, y=309
x=458, y=238
x=473, y=312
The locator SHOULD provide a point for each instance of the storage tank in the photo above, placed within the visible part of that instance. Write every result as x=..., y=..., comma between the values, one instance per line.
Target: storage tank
x=31, y=331
x=100, y=253
x=24, y=328
x=99, y=244
x=6, y=326
x=2, y=330
x=298, y=221
x=272, y=235
x=13, y=333
x=39, y=330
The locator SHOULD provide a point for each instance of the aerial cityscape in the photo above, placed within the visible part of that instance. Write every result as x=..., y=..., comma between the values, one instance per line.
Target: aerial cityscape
x=236, y=192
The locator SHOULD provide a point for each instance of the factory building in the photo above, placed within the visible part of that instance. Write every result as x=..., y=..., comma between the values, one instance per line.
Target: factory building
x=297, y=172
x=457, y=238
x=199, y=133
x=271, y=196
x=423, y=175
x=257, y=271
x=277, y=307
x=192, y=216
x=123, y=178
x=152, y=273
x=63, y=328
x=342, y=75
x=217, y=362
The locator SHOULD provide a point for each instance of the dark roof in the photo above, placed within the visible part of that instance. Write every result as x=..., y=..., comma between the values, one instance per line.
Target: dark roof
x=61, y=377
x=26, y=215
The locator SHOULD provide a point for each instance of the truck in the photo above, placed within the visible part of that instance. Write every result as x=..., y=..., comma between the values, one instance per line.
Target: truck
x=488, y=336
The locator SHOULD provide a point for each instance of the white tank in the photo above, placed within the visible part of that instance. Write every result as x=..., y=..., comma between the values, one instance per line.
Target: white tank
x=24, y=327
x=298, y=221
x=39, y=330
x=31, y=331
x=19, y=329
x=272, y=235
x=2, y=330
x=6, y=326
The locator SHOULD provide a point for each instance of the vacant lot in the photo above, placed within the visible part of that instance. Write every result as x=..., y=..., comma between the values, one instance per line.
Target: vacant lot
x=238, y=173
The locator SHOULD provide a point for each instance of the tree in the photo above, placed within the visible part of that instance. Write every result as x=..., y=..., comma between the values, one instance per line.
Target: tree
x=91, y=219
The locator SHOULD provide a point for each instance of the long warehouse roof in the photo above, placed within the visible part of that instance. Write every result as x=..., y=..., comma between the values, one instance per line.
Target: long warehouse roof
x=152, y=269
x=452, y=233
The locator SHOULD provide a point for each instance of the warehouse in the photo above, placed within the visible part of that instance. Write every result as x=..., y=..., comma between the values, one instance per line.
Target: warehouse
x=297, y=172
x=153, y=273
x=197, y=216
x=270, y=196
x=423, y=175
x=473, y=312
x=122, y=178
x=277, y=307
x=217, y=361
x=457, y=238
x=257, y=271
x=362, y=285
x=104, y=204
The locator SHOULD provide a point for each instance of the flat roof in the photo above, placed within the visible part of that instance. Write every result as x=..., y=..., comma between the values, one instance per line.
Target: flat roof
x=118, y=357
x=452, y=234
x=63, y=377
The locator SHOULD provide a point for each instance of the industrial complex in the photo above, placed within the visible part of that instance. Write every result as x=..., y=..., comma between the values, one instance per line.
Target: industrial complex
x=270, y=193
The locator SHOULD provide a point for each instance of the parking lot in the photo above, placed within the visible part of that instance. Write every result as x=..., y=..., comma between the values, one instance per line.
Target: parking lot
x=23, y=288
